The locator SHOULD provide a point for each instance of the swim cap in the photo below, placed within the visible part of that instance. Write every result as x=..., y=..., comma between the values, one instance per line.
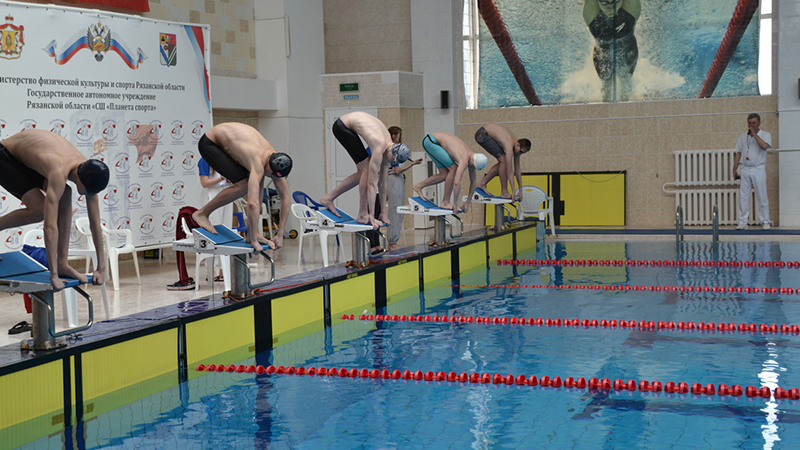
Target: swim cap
x=280, y=164
x=480, y=160
x=93, y=174
x=401, y=152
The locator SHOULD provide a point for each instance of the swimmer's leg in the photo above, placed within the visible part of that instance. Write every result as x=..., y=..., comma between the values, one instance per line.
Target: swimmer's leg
x=346, y=184
x=493, y=172
x=435, y=179
x=225, y=196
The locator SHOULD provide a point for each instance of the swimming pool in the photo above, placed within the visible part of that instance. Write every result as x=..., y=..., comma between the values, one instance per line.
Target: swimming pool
x=246, y=410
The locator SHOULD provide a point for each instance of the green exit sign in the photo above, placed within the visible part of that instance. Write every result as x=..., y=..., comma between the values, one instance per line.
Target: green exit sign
x=348, y=87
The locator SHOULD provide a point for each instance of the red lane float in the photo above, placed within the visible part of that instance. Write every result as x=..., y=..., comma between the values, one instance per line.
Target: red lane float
x=670, y=387
x=717, y=289
x=645, y=325
x=647, y=263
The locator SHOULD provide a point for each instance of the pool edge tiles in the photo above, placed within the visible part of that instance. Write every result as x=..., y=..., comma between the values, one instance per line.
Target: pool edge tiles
x=437, y=267
x=21, y=416
x=472, y=257
x=501, y=247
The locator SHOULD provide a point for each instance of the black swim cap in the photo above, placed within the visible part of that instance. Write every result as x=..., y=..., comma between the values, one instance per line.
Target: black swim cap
x=93, y=174
x=280, y=164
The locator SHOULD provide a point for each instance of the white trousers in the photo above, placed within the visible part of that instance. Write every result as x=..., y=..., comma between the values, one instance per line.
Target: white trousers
x=755, y=177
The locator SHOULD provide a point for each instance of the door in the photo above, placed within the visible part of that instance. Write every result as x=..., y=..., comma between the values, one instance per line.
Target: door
x=339, y=163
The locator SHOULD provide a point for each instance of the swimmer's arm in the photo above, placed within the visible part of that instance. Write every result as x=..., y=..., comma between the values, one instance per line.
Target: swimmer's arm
x=518, y=173
x=254, y=184
x=459, y=172
x=399, y=170
x=634, y=7
x=286, y=205
x=383, y=182
x=472, y=184
x=590, y=10
x=93, y=210
x=375, y=163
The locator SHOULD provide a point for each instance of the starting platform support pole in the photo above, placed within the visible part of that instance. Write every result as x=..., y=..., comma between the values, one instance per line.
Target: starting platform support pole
x=42, y=339
x=439, y=227
x=361, y=248
x=242, y=287
x=499, y=217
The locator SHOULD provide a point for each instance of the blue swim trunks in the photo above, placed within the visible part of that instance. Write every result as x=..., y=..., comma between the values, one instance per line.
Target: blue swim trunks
x=437, y=153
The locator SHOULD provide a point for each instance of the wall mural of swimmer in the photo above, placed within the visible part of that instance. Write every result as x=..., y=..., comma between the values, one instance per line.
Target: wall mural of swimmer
x=576, y=51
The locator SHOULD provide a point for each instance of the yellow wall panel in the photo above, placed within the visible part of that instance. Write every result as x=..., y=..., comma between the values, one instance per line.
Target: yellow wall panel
x=593, y=199
x=436, y=267
x=501, y=247
x=31, y=404
x=233, y=331
x=352, y=294
x=526, y=239
x=122, y=373
x=472, y=256
x=296, y=310
x=402, y=280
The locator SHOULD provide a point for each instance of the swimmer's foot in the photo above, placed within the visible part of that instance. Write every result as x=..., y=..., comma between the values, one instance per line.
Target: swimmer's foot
x=505, y=195
x=446, y=205
x=483, y=188
x=203, y=221
x=68, y=271
x=328, y=203
x=419, y=193
x=376, y=223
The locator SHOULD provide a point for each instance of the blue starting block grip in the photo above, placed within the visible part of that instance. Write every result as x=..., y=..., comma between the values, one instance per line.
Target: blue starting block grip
x=21, y=273
x=344, y=223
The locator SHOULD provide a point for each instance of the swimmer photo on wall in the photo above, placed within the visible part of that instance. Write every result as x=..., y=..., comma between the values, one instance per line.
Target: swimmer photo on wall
x=615, y=50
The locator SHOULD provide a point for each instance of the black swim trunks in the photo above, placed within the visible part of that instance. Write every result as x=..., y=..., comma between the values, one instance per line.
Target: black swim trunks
x=488, y=143
x=221, y=161
x=17, y=178
x=350, y=141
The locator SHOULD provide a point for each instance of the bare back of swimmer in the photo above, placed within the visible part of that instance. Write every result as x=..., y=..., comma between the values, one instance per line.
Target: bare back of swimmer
x=242, y=155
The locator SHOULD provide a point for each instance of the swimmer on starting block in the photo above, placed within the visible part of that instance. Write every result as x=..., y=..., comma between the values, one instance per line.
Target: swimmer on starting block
x=242, y=155
x=501, y=143
x=446, y=151
x=35, y=166
x=372, y=164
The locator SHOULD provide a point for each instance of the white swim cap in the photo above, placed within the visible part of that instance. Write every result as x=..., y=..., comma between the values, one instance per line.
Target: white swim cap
x=480, y=160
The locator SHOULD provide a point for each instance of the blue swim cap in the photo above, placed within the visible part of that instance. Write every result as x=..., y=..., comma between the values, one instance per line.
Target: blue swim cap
x=93, y=174
x=280, y=164
x=401, y=152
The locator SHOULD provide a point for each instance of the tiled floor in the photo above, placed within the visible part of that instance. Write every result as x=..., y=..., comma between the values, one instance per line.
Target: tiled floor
x=156, y=275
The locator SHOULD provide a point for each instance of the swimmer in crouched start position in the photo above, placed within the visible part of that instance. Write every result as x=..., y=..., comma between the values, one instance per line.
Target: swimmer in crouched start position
x=452, y=157
x=240, y=153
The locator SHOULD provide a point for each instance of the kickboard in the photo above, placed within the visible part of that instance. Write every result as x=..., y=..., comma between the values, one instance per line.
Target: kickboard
x=428, y=204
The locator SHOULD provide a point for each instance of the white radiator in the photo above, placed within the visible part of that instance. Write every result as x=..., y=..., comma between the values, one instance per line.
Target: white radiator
x=704, y=178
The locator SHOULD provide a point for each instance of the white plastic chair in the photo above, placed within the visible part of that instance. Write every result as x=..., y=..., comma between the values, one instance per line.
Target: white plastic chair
x=531, y=205
x=225, y=262
x=310, y=227
x=69, y=297
x=112, y=251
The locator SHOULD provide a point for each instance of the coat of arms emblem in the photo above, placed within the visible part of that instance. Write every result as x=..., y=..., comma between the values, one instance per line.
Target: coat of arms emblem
x=12, y=39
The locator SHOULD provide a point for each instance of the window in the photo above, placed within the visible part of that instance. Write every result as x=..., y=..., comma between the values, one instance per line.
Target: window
x=765, y=48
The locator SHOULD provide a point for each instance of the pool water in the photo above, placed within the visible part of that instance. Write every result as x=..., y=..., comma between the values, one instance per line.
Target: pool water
x=243, y=410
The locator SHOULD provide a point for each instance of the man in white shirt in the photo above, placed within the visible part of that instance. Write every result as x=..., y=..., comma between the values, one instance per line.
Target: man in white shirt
x=751, y=152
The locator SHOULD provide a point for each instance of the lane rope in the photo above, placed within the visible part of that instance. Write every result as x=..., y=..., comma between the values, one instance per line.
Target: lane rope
x=593, y=384
x=645, y=325
x=647, y=263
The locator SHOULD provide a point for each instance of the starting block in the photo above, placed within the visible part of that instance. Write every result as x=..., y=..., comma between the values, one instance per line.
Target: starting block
x=19, y=273
x=361, y=244
x=226, y=242
x=420, y=206
x=481, y=196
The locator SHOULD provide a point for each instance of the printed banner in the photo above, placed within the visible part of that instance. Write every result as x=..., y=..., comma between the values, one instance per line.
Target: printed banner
x=558, y=51
x=131, y=92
